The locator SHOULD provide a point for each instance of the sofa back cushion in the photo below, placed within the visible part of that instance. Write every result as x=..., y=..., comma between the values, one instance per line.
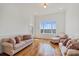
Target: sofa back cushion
x=21, y=36
x=74, y=45
x=17, y=39
x=70, y=42
x=5, y=39
x=26, y=37
x=12, y=40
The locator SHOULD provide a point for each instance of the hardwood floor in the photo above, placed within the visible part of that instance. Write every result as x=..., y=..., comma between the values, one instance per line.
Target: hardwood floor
x=40, y=47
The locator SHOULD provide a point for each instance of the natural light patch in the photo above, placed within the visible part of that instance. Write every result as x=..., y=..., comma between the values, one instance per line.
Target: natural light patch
x=48, y=27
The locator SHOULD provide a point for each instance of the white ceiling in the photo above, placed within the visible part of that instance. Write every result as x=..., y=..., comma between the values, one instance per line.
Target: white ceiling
x=37, y=8
x=38, y=5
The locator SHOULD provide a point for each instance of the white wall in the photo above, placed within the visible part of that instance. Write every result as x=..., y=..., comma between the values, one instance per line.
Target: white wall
x=14, y=20
x=72, y=20
x=71, y=16
x=58, y=17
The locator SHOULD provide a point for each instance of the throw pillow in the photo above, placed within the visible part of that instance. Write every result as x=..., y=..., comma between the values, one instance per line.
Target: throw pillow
x=65, y=41
x=18, y=39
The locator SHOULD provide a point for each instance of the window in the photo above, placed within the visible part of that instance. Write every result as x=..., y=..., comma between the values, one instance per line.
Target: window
x=48, y=27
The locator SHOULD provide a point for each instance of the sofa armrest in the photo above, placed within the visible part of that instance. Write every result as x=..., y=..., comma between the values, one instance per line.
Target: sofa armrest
x=8, y=48
x=7, y=45
x=72, y=52
x=62, y=48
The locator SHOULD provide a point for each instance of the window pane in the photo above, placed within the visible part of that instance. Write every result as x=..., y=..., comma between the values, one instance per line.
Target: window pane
x=48, y=27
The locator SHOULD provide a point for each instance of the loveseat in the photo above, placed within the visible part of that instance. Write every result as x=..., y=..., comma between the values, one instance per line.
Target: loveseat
x=69, y=46
x=13, y=45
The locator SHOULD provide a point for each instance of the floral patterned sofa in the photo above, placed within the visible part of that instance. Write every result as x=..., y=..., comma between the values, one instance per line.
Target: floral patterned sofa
x=13, y=45
x=69, y=46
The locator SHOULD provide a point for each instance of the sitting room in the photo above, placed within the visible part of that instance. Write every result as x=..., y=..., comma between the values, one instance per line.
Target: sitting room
x=39, y=29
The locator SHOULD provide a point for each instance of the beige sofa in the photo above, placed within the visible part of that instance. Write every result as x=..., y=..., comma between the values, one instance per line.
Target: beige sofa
x=10, y=45
x=69, y=49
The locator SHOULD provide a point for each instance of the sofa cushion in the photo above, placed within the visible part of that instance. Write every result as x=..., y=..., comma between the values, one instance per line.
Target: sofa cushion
x=26, y=37
x=18, y=39
x=27, y=41
x=19, y=45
